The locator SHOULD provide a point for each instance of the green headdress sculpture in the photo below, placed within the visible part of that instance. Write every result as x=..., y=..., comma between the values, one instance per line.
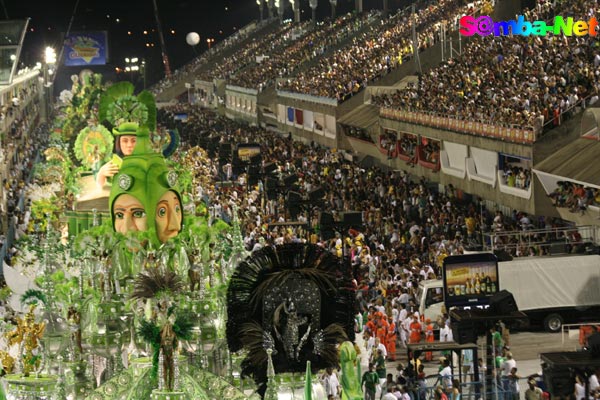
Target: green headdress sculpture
x=145, y=176
x=118, y=105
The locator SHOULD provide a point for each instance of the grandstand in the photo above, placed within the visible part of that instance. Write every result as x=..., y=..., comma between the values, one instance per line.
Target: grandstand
x=483, y=115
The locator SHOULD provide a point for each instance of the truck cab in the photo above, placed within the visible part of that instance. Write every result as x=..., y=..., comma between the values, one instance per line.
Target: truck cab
x=430, y=297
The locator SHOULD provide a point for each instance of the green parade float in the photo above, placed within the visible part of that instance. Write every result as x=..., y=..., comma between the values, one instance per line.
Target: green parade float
x=140, y=295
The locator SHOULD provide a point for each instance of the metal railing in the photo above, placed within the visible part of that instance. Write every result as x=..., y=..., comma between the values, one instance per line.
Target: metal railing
x=543, y=238
x=478, y=127
x=473, y=390
x=567, y=328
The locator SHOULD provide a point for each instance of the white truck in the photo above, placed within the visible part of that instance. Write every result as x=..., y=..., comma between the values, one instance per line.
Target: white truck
x=549, y=290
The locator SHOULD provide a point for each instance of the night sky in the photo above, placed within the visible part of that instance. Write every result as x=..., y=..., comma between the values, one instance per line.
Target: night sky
x=126, y=20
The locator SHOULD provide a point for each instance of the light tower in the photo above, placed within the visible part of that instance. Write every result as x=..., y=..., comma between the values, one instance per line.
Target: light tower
x=271, y=6
x=313, y=6
x=333, y=4
x=261, y=7
x=358, y=6
x=296, y=8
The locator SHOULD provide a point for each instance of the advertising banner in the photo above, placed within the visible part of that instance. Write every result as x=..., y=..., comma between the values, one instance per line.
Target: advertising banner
x=86, y=48
x=470, y=280
x=247, y=150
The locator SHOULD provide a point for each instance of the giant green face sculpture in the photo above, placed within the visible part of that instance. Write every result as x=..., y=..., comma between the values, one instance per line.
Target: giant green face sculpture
x=144, y=196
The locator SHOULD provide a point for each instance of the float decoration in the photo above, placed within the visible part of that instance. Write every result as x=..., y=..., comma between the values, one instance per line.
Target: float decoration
x=118, y=105
x=93, y=146
x=290, y=299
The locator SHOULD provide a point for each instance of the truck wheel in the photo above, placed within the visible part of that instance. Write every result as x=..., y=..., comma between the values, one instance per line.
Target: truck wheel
x=553, y=323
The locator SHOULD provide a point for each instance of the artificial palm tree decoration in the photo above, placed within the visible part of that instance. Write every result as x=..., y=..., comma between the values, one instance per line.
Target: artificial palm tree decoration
x=162, y=328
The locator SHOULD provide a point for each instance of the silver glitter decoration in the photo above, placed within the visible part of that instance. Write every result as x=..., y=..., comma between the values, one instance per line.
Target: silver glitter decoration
x=125, y=182
x=211, y=275
x=318, y=342
x=161, y=378
x=269, y=342
x=176, y=372
x=172, y=178
x=291, y=331
x=305, y=294
x=271, y=393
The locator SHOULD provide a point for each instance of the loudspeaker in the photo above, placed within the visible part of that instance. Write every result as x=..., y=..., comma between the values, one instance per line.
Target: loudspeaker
x=559, y=382
x=558, y=248
x=294, y=199
x=225, y=148
x=289, y=180
x=316, y=194
x=464, y=332
x=352, y=219
x=503, y=303
x=503, y=255
x=270, y=167
x=326, y=225
x=271, y=186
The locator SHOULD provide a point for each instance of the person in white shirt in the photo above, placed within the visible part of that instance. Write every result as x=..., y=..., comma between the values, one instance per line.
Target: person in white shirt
x=446, y=375
x=331, y=384
x=389, y=395
x=380, y=346
x=593, y=381
x=579, y=388
x=370, y=342
x=406, y=328
x=400, y=324
x=508, y=364
x=446, y=333
x=506, y=367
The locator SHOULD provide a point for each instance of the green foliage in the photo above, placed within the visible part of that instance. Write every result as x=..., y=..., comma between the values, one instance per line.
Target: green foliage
x=126, y=109
x=5, y=293
x=183, y=328
x=34, y=296
x=147, y=99
x=44, y=208
x=185, y=178
x=101, y=237
x=82, y=107
x=150, y=332
x=66, y=291
x=118, y=105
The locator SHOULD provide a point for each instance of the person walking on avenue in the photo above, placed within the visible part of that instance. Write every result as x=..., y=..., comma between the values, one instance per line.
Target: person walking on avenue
x=429, y=338
x=331, y=383
x=370, y=380
x=415, y=330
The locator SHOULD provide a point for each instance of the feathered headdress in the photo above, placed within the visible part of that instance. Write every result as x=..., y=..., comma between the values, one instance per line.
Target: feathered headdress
x=118, y=105
x=293, y=299
x=155, y=282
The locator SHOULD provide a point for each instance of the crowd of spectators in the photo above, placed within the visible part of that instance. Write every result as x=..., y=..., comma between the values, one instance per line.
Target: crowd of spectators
x=375, y=52
x=431, y=151
x=274, y=42
x=205, y=58
x=387, y=142
x=409, y=227
x=524, y=81
x=575, y=197
x=358, y=133
x=16, y=166
x=314, y=44
x=517, y=176
x=408, y=145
